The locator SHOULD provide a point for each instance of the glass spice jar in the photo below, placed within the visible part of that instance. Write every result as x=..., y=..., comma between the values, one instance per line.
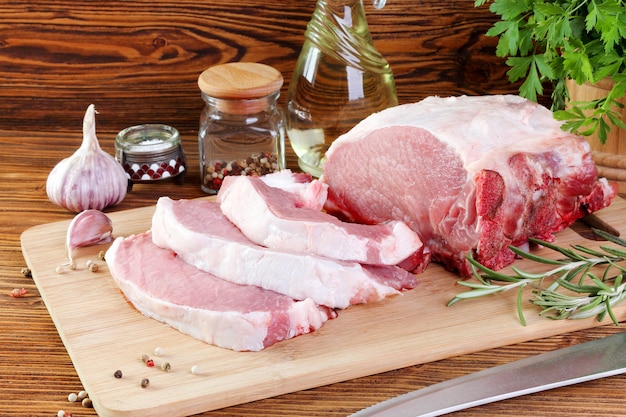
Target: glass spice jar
x=151, y=152
x=241, y=128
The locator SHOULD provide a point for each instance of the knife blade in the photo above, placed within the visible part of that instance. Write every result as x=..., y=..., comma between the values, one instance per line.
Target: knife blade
x=571, y=365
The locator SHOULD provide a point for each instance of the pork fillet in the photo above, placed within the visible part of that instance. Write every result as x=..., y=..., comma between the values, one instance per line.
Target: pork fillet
x=278, y=219
x=468, y=174
x=238, y=317
x=201, y=235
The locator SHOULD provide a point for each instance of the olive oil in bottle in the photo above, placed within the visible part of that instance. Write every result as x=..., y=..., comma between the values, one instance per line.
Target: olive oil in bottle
x=339, y=79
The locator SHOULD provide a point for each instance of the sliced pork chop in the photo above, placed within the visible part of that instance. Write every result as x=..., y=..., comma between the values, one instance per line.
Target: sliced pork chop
x=238, y=317
x=468, y=174
x=201, y=235
x=311, y=193
x=276, y=219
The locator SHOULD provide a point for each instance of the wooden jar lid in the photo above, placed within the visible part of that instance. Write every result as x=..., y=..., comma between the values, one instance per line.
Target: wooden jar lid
x=240, y=80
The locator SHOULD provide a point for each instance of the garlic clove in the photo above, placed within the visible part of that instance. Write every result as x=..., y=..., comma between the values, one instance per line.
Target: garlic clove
x=89, y=227
x=90, y=178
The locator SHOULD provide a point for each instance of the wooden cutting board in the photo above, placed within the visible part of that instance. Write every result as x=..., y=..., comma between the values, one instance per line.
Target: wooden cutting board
x=103, y=333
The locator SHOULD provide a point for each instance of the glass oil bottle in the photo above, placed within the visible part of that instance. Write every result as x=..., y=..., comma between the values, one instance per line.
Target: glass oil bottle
x=339, y=79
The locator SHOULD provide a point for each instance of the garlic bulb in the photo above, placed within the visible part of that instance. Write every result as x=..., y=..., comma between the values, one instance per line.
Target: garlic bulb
x=90, y=178
x=89, y=227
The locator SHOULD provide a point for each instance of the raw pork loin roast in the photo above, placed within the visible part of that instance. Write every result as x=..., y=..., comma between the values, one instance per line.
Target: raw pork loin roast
x=468, y=174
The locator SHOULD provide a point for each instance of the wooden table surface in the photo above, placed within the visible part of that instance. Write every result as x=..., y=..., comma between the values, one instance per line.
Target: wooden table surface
x=36, y=373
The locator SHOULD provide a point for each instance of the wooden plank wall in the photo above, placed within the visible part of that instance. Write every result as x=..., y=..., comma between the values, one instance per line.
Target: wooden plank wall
x=138, y=61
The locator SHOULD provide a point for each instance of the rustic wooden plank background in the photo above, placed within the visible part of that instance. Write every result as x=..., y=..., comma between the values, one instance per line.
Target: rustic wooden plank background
x=138, y=61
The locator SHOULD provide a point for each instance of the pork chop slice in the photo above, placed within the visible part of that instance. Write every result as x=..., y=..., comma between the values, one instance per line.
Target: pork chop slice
x=471, y=175
x=201, y=235
x=277, y=219
x=238, y=317
x=311, y=193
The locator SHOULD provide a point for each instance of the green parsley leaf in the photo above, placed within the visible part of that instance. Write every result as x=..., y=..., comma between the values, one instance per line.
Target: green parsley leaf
x=556, y=40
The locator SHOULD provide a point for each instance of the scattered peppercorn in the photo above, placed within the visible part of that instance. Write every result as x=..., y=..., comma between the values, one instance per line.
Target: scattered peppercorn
x=61, y=269
x=150, y=363
x=72, y=397
x=196, y=370
x=166, y=366
x=86, y=402
x=158, y=351
x=101, y=255
x=144, y=358
x=82, y=395
x=93, y=267
x=117, y=374
x=18, y=292
x=145, y=383
x=27, y=272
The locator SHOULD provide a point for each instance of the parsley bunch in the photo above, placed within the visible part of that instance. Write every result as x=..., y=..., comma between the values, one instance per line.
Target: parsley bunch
x=556, y=40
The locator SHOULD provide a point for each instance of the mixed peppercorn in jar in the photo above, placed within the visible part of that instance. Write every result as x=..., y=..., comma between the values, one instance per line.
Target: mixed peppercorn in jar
x=241, y=128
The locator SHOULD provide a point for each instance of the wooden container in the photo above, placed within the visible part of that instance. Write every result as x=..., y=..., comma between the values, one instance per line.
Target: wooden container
x=610, y=158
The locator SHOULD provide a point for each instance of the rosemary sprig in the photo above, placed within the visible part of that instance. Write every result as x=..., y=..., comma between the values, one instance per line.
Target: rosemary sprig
x=569, y=290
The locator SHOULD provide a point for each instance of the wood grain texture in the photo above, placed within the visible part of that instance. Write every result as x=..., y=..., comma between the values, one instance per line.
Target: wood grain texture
x=138, y=61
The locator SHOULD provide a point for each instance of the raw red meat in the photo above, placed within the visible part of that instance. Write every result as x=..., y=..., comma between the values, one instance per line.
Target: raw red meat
x=282, y=220
x=201, y=235
x=468, y=174
x=237, y=317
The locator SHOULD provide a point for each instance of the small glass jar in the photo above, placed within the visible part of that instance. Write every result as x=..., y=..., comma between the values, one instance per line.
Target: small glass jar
x=151, y=152
x=241, y=128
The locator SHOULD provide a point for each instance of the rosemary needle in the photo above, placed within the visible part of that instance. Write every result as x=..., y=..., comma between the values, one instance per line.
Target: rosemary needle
x=569, y=290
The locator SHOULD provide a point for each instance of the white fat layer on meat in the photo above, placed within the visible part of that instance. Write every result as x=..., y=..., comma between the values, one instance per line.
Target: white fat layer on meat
x=501, y=118
x=313, y=192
